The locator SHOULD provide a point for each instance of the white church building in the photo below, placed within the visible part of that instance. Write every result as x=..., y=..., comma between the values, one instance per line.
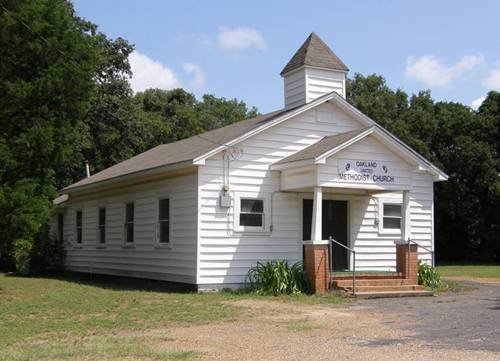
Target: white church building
x=203, y=210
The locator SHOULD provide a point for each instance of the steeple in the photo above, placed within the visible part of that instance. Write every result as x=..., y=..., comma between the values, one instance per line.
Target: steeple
x=314, y=70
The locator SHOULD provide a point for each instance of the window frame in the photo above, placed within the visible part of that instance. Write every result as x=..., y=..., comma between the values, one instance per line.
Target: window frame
x=381, y=216
x=76, y=242
x=265, y=198
x=125, y=224
x=99, y=225
x=159, y=244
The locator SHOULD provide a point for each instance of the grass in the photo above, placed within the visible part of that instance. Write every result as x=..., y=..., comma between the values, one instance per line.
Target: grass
x=474, y=271
x=71, y=317
x=448, y=285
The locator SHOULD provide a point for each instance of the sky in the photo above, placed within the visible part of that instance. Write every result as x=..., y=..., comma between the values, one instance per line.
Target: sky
x=236, y=49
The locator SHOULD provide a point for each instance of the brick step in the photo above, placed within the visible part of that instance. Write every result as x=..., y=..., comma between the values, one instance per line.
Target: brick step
x=384, y=288
x=367, y=276
x=373, y=282
x=391, y=294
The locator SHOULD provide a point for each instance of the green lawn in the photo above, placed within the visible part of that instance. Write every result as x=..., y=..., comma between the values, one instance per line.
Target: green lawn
x=62, y=318
x=479, y=271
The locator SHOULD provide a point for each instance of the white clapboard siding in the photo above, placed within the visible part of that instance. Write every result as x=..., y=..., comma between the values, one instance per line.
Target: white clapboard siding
x=251, y=174
x=145, y=259
x=225, y=256
x=206, y=247
x=306, y=84
x=320, y=82
x=295, y=89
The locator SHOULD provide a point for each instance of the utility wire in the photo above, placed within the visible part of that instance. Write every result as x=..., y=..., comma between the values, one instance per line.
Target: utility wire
x=44, y=39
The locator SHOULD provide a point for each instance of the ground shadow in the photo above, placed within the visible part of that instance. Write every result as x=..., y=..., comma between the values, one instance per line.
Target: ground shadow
x=115, y=283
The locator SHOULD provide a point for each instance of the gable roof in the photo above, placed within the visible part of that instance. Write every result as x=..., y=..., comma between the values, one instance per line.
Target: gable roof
x=322, y=146
x=184, y=150
x=314, y=52
x=194, y=150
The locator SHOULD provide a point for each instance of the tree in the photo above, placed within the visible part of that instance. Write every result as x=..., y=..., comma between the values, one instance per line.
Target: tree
x=460, y=141
x=218, y=112
x=48, y=62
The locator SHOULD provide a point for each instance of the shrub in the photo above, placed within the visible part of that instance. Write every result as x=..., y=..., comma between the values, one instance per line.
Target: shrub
x=44, y=254
x=425, y=275
x=277, y=278
x=48, y=254
x=21, y=252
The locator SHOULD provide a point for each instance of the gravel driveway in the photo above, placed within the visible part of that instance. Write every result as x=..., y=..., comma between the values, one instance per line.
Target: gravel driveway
x=468, y=320
x=451, y=326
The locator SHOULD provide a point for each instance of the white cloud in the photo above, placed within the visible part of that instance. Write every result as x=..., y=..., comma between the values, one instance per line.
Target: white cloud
x=241, y=38
x=148, y=73
x=430, y=71
x=198, y=80
x=477, y=103
x=492, y=81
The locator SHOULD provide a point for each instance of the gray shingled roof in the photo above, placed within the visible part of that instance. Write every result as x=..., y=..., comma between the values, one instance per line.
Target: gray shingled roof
x=180, y=151
x=322, y=146
x=314, y=52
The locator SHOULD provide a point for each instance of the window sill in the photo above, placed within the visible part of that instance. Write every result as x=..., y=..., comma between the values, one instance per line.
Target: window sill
x=163, y=246
x=77, y=246
x=252, y=232
x=101, y=246
x=128, y=246
x=389, y=232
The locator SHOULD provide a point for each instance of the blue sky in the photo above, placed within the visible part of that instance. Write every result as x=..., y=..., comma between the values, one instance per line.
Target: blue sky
x=237, y=49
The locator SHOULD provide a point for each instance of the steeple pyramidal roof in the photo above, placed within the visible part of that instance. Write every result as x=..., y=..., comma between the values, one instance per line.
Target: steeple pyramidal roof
x=314, y=52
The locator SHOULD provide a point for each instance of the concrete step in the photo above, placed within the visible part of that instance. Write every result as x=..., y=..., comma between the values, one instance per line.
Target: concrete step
x=373, y=282
x=390, y=294
x=366, y=276
x=385, y=288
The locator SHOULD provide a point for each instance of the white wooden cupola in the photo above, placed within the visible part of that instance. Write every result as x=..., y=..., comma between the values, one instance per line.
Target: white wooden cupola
x=313, y=71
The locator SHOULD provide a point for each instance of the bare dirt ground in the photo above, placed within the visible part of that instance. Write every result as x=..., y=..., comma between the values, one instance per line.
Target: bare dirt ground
x=447, y=327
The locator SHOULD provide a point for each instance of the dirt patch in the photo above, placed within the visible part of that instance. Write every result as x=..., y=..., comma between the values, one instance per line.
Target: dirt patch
x=270, y=330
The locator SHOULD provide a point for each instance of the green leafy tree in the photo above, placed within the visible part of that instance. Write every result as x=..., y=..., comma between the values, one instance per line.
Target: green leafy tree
x=464, y=144
x=48, y=63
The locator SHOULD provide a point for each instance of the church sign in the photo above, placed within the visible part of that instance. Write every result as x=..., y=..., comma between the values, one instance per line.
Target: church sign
x=364, y=171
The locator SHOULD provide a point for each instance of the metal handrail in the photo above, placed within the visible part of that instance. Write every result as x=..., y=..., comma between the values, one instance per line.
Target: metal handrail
x=410, y=241
x=353, y=261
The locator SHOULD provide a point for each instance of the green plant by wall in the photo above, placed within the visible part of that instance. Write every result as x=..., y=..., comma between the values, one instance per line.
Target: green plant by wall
x=425, y=273
x=21, y=251
x=277, y=278
x=40, y=256
x=48, y=254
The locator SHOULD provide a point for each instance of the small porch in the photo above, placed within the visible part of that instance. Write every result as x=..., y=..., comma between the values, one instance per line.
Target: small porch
x=330, y=251
x=363, y=164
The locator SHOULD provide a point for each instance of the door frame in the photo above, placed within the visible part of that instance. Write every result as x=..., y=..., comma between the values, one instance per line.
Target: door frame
x=329, y=197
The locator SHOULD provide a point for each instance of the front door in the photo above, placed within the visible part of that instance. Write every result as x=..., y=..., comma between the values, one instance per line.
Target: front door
x=334, y=223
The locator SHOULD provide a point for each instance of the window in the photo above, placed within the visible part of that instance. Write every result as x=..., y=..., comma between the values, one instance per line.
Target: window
x=78, y=226
x=391, y=218
x=129, y=223
x=102, y=225
x=163, y=235
x=252, y=212
x=60, y=227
